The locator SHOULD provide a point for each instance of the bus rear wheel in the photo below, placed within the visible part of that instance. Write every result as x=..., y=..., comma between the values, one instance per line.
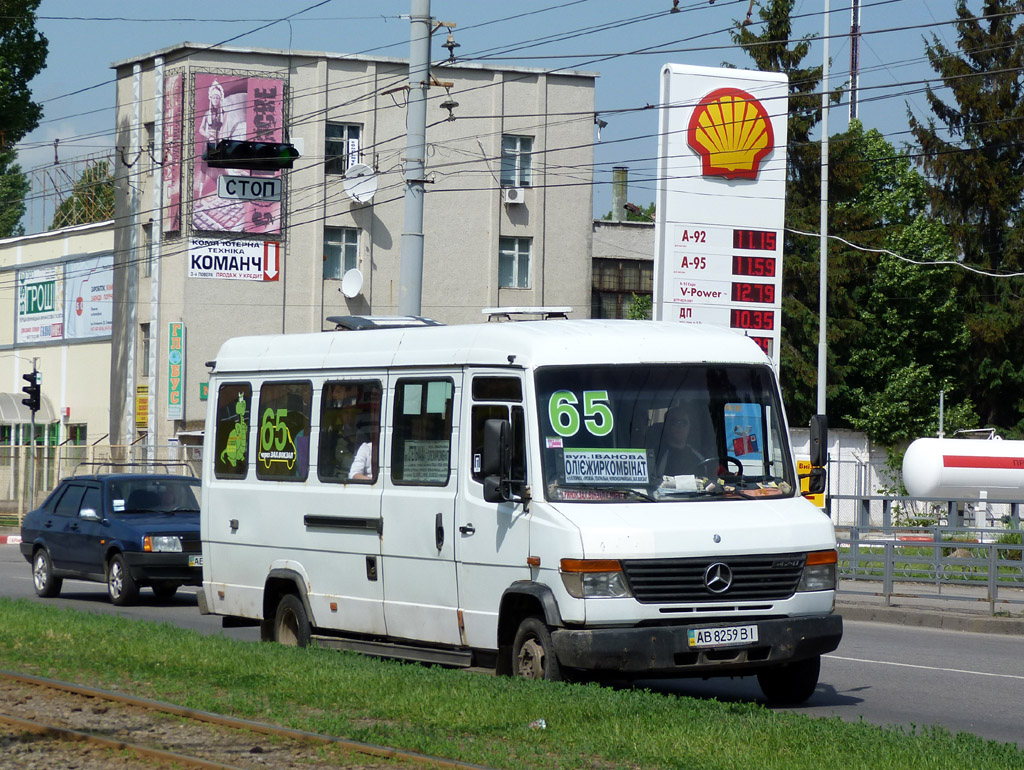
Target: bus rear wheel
x=291, y=623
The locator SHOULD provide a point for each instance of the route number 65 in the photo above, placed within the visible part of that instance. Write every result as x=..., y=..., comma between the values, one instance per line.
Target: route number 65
x=564, y=414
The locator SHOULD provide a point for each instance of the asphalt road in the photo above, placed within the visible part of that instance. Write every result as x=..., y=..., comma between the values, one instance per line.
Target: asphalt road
x=882, y=673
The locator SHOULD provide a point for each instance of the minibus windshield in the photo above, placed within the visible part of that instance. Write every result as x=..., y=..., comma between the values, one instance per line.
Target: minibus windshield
x=662, y=433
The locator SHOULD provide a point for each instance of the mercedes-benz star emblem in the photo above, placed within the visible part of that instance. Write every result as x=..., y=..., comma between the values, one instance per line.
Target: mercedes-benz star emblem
x=718, y=578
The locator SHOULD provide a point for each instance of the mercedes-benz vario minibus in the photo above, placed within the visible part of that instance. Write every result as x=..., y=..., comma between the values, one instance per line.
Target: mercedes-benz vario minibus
x=601, y=498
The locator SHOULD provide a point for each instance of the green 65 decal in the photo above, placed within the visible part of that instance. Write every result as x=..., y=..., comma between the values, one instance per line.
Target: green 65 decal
x=568, y=412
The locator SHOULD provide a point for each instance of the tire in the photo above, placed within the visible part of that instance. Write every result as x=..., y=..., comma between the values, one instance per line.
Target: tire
x=165, y=591
x=46, y=585
x=291, y=623
x=121, y=586
x=791, y=684
x=533, y=655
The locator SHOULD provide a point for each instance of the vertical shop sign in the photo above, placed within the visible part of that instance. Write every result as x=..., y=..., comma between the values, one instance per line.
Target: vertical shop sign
x=176, y=371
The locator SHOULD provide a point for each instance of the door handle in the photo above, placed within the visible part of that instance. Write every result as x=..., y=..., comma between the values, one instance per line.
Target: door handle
x=468, y=529
x=439, y=531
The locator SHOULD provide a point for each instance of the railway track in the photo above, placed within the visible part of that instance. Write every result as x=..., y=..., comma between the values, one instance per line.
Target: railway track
x=47, y=723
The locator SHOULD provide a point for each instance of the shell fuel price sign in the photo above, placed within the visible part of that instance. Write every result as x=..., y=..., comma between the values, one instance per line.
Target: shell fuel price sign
x=727, y=276
x=721, y=201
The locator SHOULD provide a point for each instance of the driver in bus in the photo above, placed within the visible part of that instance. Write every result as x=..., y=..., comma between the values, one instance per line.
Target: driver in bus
x=675, y=455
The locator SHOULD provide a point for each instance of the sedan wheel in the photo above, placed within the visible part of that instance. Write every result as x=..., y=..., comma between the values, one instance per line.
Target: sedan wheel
x=45, y=583
x=121, y=585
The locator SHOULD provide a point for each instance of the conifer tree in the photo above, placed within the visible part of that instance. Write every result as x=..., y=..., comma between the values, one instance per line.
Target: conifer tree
x=972, y=150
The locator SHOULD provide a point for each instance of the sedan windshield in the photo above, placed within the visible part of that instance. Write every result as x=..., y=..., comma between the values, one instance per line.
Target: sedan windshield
x=154, y=495
x=662, y=432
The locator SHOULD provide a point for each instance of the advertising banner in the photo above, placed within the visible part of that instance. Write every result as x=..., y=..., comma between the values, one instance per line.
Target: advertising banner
x=172, y=152
x=89, y=298
x=176, y=370
x=234, y=260
x=41, y=304
x=234, y=107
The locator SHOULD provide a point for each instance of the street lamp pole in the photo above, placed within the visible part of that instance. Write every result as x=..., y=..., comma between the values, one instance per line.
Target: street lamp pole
x=823, y=239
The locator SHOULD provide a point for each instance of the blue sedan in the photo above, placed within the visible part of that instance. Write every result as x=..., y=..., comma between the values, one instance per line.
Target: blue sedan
x=127, y=530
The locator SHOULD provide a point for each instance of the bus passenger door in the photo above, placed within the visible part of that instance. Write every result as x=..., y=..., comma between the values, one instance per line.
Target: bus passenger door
x=418, y=510
x=493, y=539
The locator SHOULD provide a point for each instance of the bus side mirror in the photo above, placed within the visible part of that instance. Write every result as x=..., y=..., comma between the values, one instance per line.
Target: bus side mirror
x=819, y=441
x=817, y=479
x=497, y=461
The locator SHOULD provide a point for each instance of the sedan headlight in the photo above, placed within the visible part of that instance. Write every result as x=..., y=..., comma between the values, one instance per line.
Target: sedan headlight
x=819, y=572
x=594, y=578
x=161, y=544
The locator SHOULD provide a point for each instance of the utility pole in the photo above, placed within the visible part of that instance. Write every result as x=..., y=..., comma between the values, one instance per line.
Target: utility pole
x=854, y=56
x=823, y=242
x=410, y=278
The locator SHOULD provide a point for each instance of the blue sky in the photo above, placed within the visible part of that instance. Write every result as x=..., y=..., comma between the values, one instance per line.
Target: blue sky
x=626, y=42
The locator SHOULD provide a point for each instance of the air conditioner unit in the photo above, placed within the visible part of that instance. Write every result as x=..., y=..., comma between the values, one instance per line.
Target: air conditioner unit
x=513, y=195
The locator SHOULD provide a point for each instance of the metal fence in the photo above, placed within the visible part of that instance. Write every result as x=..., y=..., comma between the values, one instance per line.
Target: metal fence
x=29, y=473
x=967, y=564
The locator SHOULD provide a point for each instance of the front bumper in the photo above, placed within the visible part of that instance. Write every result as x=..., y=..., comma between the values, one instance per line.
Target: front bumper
x=664, y=650
x=150, y=568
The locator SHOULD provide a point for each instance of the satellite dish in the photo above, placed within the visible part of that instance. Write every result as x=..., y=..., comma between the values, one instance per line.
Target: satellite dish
x=352, y=283
x=360, y=183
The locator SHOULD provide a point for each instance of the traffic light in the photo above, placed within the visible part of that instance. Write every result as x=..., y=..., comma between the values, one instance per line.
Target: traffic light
x=254, y=156
x=31, y=390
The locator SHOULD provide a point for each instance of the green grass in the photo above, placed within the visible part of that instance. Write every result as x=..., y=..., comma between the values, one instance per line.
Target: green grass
x=458, y=715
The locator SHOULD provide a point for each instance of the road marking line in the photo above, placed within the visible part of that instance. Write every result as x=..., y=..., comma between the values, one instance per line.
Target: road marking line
x=927, y=668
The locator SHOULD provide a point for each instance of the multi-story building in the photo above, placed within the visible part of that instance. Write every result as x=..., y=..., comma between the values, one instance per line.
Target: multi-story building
x=203, y=254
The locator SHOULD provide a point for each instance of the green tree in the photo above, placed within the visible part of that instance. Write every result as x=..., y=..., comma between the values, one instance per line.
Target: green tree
x=973, y=153
x=774, y=50
x=22, y=57
x=911, y=335
x=14, y=187
x=92, y=198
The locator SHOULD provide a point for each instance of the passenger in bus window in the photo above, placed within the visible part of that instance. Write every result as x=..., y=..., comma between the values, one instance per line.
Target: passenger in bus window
x=362, y=464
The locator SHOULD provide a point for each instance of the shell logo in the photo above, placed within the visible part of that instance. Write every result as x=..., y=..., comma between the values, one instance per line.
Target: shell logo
x=732, y=133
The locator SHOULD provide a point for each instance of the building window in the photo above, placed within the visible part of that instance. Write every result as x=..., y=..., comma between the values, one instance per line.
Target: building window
x=147, y=250
x=514, y=263
x=144, y=349
x=516, y=161
x=615, y=282
x=341, y=147
x=77, y=434
x=341, y=251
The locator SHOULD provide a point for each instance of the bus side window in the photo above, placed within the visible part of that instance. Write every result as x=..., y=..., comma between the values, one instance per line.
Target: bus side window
x=349, y=432
x=422, y=435
x=231, y=458
x=283, y=431
x=516, y=417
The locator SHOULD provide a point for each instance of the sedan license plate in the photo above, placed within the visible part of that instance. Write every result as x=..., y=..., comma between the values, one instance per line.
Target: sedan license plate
x=196, y=560
x=722, y=636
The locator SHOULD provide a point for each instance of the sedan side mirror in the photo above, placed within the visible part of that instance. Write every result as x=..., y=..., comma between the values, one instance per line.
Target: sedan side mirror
x=89, y=514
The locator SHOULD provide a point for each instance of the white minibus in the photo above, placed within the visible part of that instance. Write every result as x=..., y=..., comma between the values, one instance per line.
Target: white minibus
x=548, y=498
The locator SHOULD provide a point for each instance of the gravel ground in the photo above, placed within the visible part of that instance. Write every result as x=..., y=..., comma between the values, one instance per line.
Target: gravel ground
x=119, y=722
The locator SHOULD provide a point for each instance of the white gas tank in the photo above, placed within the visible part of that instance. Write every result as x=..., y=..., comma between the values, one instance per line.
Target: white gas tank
x=952, y=468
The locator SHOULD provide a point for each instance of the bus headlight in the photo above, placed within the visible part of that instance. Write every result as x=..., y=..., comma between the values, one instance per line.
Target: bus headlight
x=594, y=578
x=819, y=572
